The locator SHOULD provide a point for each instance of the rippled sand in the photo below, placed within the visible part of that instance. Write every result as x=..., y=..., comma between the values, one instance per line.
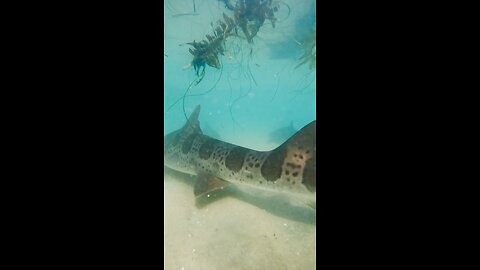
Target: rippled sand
x=234, y=230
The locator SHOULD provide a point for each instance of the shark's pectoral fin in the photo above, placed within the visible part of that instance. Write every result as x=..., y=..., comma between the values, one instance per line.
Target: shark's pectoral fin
x=207, y=183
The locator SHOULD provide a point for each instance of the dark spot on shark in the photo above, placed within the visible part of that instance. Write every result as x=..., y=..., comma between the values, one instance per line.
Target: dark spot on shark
x=300, y=156
x=272, y=167
x=206, y=149
x=234, y=160
x=293, y=166
x=295, y=174
x=257, y=165
x=310, y=175
x=287, y=172
x=250, y=164
x=187, y=144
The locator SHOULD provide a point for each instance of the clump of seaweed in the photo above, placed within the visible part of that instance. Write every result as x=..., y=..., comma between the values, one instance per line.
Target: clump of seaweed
x=310, y=50
x=228, y=4
x=206, y=51
x=249, y=16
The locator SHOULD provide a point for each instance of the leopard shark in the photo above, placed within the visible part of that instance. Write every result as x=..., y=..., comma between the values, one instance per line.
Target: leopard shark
x=289, y=169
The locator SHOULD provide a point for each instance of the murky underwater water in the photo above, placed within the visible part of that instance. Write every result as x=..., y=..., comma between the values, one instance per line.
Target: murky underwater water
x=235, y=230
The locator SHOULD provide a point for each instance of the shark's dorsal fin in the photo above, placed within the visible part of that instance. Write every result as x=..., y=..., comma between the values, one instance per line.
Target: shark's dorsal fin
x=193, y=125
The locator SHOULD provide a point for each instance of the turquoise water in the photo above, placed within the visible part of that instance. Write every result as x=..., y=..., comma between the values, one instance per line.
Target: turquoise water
x=257, y=90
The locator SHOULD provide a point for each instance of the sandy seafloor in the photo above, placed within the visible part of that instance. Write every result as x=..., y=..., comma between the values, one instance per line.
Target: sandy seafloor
x=235, y=231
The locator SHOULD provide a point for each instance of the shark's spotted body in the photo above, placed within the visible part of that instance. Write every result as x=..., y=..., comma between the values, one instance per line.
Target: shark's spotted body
x=289, y=169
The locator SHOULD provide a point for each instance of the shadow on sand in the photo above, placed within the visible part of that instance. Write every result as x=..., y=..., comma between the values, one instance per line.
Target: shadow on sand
x=276, y=205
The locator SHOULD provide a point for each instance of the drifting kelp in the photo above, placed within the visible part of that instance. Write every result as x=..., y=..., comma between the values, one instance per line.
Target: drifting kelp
x=206, y=51
x=245, y=20
x=249, y=16
x=228, y=4
x=309, y=46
